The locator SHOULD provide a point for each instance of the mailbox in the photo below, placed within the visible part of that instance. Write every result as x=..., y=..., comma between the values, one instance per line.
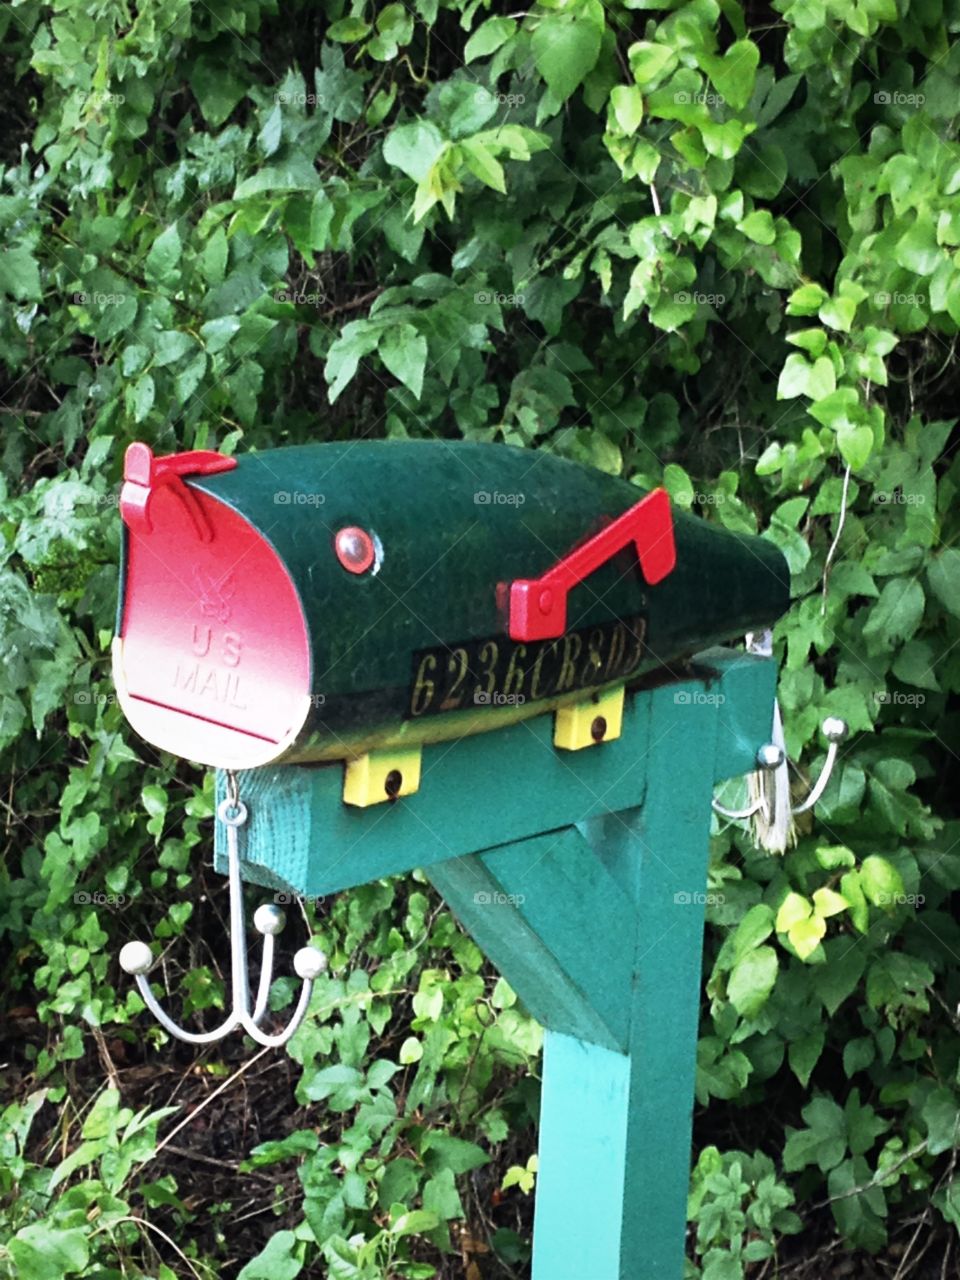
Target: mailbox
x=316, y=602
x=501, y=667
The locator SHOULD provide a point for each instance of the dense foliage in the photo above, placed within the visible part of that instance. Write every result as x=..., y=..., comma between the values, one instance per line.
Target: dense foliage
x=698, y=242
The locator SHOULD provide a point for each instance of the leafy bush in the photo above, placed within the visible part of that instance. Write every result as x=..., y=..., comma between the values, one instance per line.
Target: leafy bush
x=709, y=245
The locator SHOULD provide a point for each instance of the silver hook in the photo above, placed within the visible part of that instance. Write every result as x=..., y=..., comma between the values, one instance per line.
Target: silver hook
x=137, y=959
x=771, y=757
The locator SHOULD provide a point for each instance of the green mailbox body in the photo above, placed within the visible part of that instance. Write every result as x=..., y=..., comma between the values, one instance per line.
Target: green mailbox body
x=248, y=635
x=541, y=635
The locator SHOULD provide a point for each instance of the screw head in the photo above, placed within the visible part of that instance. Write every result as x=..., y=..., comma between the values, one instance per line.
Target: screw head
x=136, y=958
x=309, y=963
x=834, y=729
x=268, y=919
x=770, y=756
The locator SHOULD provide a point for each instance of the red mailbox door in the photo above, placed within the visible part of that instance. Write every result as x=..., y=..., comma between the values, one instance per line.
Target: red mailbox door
x=213, y=660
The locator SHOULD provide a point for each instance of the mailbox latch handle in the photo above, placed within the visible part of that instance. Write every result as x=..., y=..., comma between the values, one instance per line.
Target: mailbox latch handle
x=143, y=474
x=538, y=606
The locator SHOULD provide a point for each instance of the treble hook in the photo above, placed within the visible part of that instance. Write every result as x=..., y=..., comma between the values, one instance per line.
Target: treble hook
x=771, y=758
x=136, y=958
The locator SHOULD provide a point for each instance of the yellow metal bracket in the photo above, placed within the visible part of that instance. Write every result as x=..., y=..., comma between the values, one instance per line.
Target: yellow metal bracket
x=587, y=724
x=381, y=775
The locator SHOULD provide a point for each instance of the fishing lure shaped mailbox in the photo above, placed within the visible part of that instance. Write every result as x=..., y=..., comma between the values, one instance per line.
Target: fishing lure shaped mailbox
x=498, y=666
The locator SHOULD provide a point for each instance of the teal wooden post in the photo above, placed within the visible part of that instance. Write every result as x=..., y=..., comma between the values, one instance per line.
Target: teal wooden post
x=583, y=876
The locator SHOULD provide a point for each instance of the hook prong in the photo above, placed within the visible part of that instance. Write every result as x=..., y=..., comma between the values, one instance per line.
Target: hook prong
x=136, y=958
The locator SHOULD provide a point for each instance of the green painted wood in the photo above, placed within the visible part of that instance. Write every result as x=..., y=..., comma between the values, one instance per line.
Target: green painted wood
x=485, y=790
x=554, y=922
x=608, y=850
x=475, y=793
x=582, y=1163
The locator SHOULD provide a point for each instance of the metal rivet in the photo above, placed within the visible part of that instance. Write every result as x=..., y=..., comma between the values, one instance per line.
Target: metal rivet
x=835, y=729
x=546, y=601
x=770, y=756
x=392, y=783
x=598, y=729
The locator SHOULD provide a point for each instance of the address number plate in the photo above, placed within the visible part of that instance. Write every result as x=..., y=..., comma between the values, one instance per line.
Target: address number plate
x=502, y=672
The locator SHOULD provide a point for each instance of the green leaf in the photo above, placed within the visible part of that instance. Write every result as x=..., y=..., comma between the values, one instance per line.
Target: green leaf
x=413, y=148
x=805, y=935
x=800, y=377
x=758, y=226
x=627, y=103
x=141, y=397
x=793, y=909
x=804, y=1054
x=348, y=30
x=404, y=351
x=943, y=574
x=881, y=882
x=488, y=38
x=833, y=857
x=917, y=250
x=411, y=1051
x=650, y=62
x=294, y=174
x=855, y=444
x=806, y=301
x=897, y=614
x=217, y=88
x=751, y=980
x=483, y=166
x=164, y=255
x=755, y=927
x=733, y=75
x=566, y=47
x=276, y=1261
x=838, y=313
x=827, y=902
x=19, y=274
x=852, y=890
x=941, y=1115
x=42, y=1252
x=465, y=107
x=357, y=340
